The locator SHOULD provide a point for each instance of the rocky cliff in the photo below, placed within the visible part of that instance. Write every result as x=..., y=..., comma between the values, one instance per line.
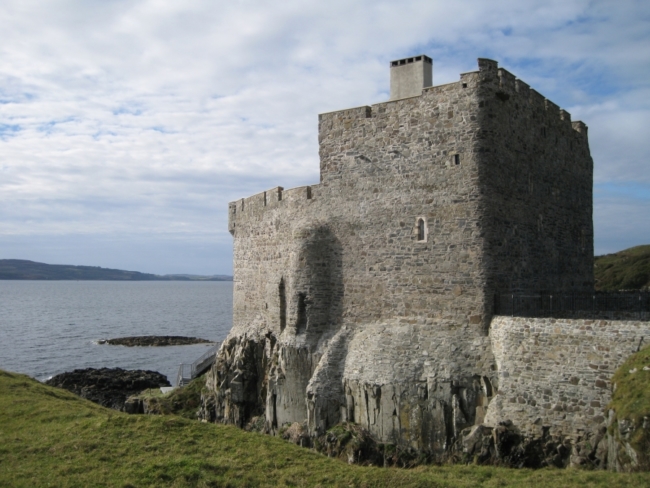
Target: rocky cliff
x=533, y=393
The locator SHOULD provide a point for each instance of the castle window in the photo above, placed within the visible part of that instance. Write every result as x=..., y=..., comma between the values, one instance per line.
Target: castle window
x=422, y=230
x=301, y=320
x=456, y=159
x=464, y=85
x=283, y=305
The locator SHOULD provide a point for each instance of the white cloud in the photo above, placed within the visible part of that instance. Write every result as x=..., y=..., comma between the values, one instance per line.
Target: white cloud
x=144, y=118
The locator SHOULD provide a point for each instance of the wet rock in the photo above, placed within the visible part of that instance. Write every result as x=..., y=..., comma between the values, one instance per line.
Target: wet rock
x=155, y=341
x=109, y=387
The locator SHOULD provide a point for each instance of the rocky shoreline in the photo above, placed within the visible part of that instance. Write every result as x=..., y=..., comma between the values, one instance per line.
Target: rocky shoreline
x=154, y=341
x=109, y=387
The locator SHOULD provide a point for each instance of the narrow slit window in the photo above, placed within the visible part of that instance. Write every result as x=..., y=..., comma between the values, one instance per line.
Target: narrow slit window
x=301, y=319
x=422, y=230
x=456, y=159
x=283, y=305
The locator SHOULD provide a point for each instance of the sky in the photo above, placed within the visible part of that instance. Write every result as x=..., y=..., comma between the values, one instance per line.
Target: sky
x=126, y=127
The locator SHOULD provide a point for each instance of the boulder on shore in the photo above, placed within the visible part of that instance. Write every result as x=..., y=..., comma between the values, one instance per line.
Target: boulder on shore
x=109, y=387
x=154, y=341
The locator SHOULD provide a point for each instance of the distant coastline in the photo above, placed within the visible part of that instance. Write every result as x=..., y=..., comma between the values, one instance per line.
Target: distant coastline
x=21, y=269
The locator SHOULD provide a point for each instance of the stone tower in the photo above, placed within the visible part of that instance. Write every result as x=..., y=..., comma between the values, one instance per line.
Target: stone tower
x=368, y=297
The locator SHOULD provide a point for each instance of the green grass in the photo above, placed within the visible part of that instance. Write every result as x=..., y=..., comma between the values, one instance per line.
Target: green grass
x=631, y=399
x=50, y=437
x=631, y=402
x=625, y=270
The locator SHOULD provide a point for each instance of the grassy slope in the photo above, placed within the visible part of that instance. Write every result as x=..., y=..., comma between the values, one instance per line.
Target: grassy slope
x=625, y=270
x=50, y=437
x=631, y=399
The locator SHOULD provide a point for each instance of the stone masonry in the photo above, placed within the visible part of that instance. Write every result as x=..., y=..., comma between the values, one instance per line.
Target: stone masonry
x=368, y=297
x=554, y=377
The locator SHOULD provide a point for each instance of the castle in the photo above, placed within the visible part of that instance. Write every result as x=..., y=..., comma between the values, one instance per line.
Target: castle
x=368, y=297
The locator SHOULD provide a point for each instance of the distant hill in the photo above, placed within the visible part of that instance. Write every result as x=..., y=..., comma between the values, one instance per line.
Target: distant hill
x=625, y=270
x=20, y=269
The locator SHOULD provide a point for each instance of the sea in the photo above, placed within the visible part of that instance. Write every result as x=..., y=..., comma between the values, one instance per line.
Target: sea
x=50, y=327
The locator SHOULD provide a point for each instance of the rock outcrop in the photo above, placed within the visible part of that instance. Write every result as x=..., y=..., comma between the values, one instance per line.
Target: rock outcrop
x=154, y=341
x=531, y=394
x=421, y=401
x=109, y=387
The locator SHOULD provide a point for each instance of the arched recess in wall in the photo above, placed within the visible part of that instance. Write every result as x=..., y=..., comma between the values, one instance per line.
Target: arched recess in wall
x=301, y=316
x=283, y=304
x=421, y=229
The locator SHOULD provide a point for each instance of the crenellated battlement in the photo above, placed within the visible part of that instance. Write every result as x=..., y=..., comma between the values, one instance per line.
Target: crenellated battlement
x=507, y=87
x=485, y=91
x=259, y=203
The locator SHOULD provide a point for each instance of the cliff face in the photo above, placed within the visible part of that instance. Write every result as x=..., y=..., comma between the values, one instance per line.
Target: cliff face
x=543, y=402
x=421, y=399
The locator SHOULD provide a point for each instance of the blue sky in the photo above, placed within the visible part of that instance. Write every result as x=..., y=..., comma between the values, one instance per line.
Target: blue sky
x=127, y=126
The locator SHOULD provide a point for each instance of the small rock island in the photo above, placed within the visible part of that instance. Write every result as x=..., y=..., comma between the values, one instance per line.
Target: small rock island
x=154, y=341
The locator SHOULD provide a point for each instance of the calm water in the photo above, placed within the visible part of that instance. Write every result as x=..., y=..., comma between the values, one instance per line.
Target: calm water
x=48, y=327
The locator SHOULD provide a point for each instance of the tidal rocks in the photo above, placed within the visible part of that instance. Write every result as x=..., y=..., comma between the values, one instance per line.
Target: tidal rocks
x=505, y=445
x=156, y=341
x=109, y=387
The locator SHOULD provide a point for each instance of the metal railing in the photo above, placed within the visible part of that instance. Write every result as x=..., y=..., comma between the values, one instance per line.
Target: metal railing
x=188, y=371
x=623, y=305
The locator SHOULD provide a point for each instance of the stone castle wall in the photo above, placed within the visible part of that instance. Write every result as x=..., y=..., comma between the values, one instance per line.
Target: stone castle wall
x=555, y=374
x=368, y=296
x=536, y=185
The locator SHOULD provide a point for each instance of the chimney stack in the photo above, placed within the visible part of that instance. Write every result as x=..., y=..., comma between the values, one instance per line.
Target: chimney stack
x=409, y=76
